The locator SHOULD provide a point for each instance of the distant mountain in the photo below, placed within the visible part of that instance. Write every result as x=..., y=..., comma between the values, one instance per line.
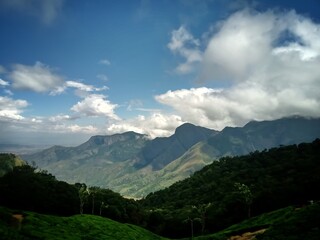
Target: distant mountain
x=134, y=166
x=257, y=136
x=161, y=151
x=98, y=150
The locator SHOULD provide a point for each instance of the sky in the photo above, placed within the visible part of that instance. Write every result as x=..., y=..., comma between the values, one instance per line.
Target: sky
x=71, y=69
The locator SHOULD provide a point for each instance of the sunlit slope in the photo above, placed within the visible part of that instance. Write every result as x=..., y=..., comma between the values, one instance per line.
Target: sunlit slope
x=144, y=181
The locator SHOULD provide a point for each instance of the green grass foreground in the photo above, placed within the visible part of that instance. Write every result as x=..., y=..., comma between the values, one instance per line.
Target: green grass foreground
x=89, y=227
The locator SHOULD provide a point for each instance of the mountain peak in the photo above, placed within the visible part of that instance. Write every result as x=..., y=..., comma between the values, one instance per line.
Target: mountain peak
x=185, y=127
x=110, y=139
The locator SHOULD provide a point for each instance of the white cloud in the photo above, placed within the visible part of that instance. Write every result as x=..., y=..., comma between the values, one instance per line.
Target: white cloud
x=75, y=128
x=3, y=83
x=11, y=109
x=84, y=87
x=38, y=78
x=46, y=10
x=9, y=92
x=184, y=44
x=105, y=62
x=271, y=75
x=242, y=42
x=155, y=125
x=60, y=117
x=96, y=105
x=81, y=88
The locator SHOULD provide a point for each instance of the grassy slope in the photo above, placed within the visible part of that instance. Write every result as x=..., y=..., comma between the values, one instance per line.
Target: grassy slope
x=39, y=226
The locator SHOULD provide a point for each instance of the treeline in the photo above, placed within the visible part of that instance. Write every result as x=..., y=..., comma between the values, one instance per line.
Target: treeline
x=28, y=188
x=235, y=188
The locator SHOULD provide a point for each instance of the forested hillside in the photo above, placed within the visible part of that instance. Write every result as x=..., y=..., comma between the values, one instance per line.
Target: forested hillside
x=235, y=188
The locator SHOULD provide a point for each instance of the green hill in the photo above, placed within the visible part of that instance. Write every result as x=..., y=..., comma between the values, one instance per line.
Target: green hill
x=40, y=226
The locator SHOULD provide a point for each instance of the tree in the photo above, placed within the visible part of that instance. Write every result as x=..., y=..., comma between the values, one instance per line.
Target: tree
x=93, y=191
x=201, y=211
x=189, y=219
x=102, y=206
x=246, y=195
x=83, y=193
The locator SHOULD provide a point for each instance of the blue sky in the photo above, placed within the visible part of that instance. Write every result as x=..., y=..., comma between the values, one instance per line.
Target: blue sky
x=70, y=69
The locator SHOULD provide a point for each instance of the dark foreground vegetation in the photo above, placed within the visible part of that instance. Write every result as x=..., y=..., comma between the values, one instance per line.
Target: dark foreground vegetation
x=224, y=193
x=287, y=223
x=39, y=226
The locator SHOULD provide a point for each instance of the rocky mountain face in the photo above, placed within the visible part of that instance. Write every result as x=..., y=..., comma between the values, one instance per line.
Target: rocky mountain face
x=159, y=152
x=134, y=165
x=98, y=150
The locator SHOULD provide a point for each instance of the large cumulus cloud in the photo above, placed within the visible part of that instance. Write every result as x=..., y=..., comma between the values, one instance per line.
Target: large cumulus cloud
x=269, y=65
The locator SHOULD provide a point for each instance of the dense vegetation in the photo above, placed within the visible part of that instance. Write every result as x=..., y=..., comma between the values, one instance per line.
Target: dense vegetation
x=222, y=194
x=287, y=223
x=39, y=226
x=234, y=188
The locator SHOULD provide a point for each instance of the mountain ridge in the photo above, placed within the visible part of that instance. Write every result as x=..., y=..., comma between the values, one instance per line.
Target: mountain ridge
x=135, y=163
x=161, y=151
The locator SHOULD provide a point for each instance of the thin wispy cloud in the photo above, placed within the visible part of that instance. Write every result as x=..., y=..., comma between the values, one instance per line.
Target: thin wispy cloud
x=103, y=77
x=37, y=78
x=187, y=47
x=3, y=83
x=45, y=10
x=105, y=62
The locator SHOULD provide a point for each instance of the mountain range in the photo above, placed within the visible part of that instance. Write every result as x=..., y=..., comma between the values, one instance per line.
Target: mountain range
x=134, y=165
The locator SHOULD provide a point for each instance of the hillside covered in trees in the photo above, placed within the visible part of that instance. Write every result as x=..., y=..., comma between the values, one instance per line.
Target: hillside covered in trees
x=235, y=188
x=223, y=193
